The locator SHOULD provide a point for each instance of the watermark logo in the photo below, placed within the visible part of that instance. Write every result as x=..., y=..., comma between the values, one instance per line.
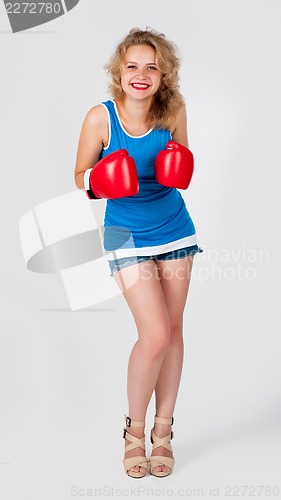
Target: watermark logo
x=26, y=15
x=213, y=490
x=224, y=264
x=64, y=235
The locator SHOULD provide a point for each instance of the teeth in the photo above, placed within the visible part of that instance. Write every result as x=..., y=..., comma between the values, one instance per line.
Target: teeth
x=140, y=85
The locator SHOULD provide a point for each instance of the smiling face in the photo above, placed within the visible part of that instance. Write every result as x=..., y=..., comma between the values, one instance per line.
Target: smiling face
x=140, y=76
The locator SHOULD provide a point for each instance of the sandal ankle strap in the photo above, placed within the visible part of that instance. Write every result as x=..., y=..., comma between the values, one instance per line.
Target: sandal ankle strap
x=167, y=421
x=133, y=423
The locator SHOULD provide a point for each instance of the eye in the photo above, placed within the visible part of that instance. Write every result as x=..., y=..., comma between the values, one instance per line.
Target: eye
x=131, y=66
x=152, y=67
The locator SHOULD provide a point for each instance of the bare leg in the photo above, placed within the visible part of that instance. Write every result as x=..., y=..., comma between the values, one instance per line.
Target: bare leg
x=147, y=303
x=175, y=280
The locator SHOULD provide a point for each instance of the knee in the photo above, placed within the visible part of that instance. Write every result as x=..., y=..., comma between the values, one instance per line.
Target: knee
x=160, y=343
x=158, y=346
x=157, y=341
x=176, y=332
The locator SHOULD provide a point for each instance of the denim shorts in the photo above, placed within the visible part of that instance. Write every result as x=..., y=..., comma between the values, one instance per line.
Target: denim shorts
x=117, y=264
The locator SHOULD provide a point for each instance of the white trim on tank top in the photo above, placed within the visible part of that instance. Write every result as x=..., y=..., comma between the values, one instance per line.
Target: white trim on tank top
x=122, y=127
x=120, y=253
x=109, y=126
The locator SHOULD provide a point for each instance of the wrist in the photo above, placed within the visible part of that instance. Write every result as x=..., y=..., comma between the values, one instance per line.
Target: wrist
x=87, y=185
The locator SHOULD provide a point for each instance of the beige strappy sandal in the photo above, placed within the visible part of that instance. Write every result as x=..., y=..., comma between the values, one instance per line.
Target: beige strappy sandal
x=131, y=462
x=156, y=460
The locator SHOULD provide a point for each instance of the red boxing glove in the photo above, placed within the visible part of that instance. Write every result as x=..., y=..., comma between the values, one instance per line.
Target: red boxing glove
x=114, y=176
x=174, y=166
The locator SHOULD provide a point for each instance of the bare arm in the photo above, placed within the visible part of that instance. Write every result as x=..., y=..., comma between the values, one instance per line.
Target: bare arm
x=91, y=142
x=180, y=132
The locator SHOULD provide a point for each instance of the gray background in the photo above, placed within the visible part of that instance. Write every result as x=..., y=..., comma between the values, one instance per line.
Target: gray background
x=63, y=373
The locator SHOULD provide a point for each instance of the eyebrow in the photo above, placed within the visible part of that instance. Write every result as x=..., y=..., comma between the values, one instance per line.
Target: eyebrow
x=133, y=62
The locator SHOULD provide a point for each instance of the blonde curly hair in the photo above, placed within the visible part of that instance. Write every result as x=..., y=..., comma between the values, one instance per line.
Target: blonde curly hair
x=167, y=100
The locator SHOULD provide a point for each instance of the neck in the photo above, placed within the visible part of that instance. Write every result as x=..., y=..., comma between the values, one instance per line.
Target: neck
x=133, y=109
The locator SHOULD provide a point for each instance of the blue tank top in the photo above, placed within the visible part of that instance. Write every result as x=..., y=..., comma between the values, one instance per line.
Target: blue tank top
x=156, y=219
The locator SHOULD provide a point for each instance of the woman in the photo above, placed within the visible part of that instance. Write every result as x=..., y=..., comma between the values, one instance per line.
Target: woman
x=148, y=227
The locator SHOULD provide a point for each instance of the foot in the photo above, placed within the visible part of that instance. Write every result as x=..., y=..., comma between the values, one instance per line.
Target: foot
x=138, y=451
x=162, y=430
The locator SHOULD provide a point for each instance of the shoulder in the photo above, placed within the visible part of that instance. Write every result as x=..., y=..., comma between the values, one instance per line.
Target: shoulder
x=179, y=129
x=96, y=123
x=96, y=116
x=179, y=120
x=181, y=117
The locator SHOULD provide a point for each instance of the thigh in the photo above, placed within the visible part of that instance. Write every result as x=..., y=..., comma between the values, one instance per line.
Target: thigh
x=141, y=287
x=175, y=277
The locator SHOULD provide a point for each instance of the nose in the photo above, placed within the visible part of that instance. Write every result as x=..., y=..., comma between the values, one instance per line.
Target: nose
x=142, y=74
